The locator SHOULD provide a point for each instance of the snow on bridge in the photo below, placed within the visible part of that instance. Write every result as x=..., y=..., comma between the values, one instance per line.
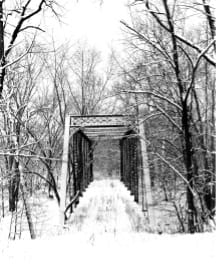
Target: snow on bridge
x=107, y=207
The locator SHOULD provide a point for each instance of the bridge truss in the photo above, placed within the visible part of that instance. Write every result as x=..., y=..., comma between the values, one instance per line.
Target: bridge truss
x=81, y=133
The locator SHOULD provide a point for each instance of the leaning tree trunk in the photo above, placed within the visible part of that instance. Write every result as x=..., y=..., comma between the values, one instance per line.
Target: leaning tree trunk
x=26, y=205
x=2, y=57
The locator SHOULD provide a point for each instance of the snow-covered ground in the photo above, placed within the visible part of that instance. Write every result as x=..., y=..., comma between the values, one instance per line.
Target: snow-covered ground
x=108, y=227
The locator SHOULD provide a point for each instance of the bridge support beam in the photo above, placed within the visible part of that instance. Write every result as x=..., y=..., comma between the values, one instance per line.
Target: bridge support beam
x=64, y=170
x=145, y=191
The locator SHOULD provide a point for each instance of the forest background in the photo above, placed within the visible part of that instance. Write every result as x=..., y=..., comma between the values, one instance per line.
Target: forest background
x=164, y=67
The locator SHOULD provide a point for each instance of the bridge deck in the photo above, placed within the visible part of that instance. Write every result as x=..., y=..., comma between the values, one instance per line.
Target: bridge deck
x=107, y=207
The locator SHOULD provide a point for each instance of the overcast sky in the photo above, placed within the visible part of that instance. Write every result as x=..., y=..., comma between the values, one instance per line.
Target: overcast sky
x=91, y=21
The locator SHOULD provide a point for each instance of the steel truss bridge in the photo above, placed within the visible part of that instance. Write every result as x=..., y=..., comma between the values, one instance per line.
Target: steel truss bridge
x=81, y=133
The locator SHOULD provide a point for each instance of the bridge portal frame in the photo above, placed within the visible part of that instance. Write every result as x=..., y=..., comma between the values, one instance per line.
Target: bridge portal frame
x=108, y=124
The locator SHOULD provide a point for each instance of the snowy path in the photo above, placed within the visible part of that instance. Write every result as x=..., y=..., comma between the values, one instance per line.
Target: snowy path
x=107, y=227
x=107, y=207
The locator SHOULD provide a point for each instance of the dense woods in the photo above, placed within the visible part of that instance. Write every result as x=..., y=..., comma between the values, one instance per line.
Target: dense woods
x=165, y=76
x=172, y=73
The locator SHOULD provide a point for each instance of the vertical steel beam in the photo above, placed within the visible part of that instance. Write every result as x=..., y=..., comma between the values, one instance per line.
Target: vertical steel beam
x=134, y=170
x=64, y=169
x=131, y=166
x=80, y=176
x=146, y=192
x=86, y=164
x=91, y=156
x=136, y=173
x=121, y=160
x=75, y=162
x=83, y=164
x=124, y=163
x=127, y=164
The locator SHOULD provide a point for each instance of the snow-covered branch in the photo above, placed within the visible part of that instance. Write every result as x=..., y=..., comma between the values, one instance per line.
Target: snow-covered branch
x=154, y=94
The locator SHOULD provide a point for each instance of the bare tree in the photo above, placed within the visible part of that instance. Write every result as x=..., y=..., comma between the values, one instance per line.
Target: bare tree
x=89, y=85
x=21, y=14
x=170, y=66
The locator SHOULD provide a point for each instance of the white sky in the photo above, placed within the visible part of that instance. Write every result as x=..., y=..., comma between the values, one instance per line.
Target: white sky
x=88, y=20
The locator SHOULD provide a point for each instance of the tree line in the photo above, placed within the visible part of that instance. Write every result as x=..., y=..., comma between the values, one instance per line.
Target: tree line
x=166, y=76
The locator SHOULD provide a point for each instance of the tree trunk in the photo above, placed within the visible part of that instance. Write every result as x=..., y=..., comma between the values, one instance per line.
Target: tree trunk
x=188, y=153
x=2, y=57
x=27, y=207
x=14, y=182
